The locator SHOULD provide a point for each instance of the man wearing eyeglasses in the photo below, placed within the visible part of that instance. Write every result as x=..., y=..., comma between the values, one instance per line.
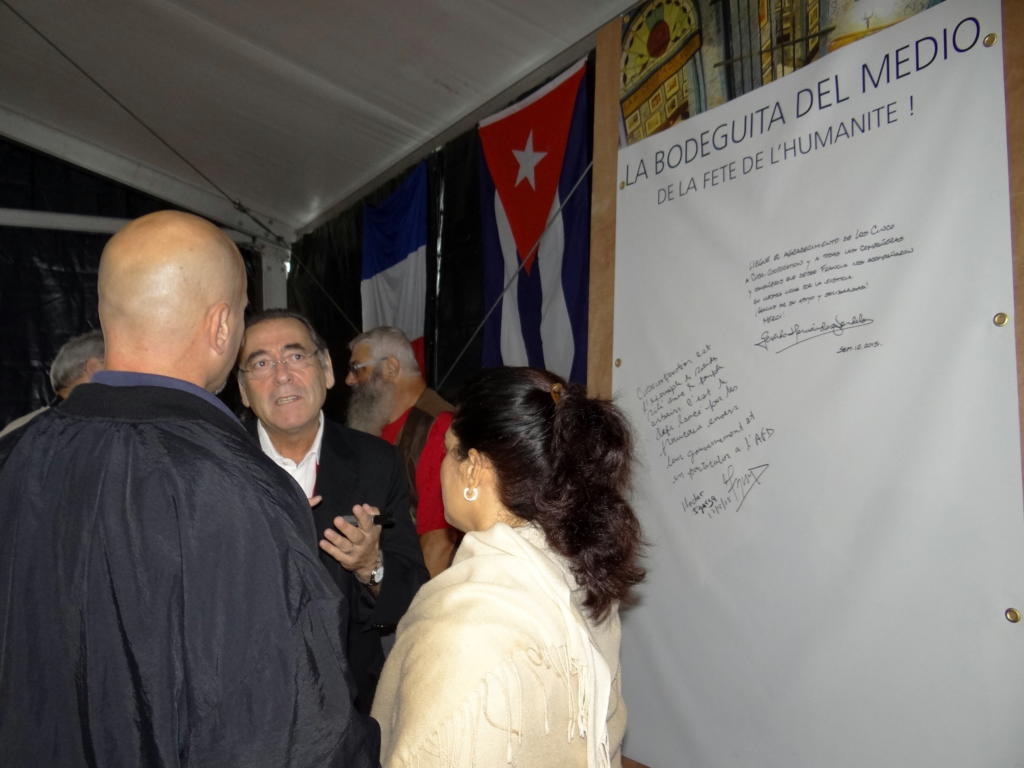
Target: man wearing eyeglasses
x=354, y=483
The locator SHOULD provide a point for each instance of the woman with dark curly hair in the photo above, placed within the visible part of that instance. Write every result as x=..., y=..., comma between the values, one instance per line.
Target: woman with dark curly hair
x=511, y=656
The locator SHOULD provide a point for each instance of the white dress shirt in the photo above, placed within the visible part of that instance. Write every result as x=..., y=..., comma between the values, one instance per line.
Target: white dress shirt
x=304, y=472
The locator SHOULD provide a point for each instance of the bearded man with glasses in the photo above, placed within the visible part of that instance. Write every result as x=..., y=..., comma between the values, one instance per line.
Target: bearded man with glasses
x=354, y=481
x=390, y=398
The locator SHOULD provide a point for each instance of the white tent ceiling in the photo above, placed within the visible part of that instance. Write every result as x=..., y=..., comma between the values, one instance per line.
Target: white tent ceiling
x=293, y=108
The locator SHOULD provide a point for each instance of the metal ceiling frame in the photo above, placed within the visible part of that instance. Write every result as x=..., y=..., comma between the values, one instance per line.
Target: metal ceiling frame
x=137, y=175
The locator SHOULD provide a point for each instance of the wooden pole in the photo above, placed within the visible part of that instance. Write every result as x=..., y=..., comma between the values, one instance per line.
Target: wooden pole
x=1013, y=65
x=602, y=220
x=602, y=210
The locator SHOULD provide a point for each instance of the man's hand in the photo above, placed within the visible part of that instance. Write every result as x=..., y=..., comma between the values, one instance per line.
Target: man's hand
x=356, y=547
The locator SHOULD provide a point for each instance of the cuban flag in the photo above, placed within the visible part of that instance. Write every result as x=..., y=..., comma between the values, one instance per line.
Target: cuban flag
x=393, y=284
x=535, y=153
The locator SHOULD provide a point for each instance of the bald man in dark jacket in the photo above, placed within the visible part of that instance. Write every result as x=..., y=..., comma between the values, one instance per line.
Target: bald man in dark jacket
x=162, y=601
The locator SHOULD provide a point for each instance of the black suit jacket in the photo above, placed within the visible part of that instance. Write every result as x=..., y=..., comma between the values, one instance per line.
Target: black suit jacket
x=357, y=468
x=161, y=599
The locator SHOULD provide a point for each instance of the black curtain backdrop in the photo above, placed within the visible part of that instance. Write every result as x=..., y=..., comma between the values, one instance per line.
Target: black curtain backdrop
x=460, y=298
x=47, y=295
x=31, y=180
x=48, y=277
x=323, y=283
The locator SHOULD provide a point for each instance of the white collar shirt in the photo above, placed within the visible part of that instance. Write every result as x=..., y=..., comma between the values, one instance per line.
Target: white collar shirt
x=303, y=472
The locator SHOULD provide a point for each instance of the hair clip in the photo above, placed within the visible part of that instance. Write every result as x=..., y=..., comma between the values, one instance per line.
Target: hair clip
x=556, y=392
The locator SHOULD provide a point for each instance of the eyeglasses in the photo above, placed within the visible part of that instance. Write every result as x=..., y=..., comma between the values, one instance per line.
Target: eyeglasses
x=355, y=368
x=262, y=367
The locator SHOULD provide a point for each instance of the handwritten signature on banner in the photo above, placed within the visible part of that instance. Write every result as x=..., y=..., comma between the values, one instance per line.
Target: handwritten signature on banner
x=796, y=334
x=736, y=488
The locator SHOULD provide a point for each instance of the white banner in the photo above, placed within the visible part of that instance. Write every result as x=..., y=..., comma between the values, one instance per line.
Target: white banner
x=806, y=285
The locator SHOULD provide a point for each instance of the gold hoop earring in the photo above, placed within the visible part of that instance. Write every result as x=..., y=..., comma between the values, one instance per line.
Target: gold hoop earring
x=470, y=494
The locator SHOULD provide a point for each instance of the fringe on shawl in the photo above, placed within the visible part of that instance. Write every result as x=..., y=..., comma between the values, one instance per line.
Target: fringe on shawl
x=455, y=738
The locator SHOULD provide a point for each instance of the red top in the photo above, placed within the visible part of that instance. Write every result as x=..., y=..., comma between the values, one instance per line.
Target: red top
x=430, y=510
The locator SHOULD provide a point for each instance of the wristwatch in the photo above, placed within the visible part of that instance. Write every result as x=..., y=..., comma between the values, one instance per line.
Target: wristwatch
x=377, y=574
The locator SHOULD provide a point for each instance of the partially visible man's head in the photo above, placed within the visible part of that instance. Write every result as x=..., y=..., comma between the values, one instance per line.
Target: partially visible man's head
x=381, y=357
x=386, y=341
x=76, y=361
x=172, y=298
x=284, y=372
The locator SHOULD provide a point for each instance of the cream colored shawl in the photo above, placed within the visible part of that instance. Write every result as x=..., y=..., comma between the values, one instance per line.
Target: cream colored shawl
x=496, y=664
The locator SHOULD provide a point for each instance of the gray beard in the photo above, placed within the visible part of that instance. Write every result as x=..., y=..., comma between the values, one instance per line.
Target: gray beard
x=369, y=406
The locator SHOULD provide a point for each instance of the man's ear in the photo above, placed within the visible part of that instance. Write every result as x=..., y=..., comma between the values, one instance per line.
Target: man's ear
x=325, y=360
x=92, y=365
x=389, y=368
x=218, y=328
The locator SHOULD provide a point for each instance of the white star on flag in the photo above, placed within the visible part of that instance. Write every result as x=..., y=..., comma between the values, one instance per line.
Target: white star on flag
x=527, y=160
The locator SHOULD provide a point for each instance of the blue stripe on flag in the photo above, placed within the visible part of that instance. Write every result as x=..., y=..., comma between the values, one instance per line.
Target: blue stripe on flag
x=398, y=226
x=576, y=224
x=530, y=298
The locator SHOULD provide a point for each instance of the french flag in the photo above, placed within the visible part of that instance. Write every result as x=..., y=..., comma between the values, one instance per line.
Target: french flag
x=536, y=153
x=393, y=284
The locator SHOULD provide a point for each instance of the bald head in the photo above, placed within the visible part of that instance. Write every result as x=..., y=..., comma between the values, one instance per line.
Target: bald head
x=171, y=299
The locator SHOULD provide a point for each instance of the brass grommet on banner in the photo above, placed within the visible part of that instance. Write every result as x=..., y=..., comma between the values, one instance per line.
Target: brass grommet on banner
x=1012, y=615
x=618, y=362
x=622, y=185
x=1001, y=319
x=990, y=39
